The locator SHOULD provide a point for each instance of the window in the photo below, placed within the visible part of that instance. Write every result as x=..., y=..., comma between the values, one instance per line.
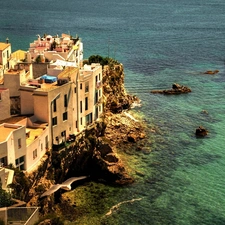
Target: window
x=3, y=161
x=88, y=119
x=76, y=124
x=86, y=87
x=100, y=93
x=80, y=86
x=96, y=79
x=65, y=101
x=75, y=90
x=19, y=143
x=80, y=106
x=99, y=76
x=0, y=96
x=86, y=103
x=96, y=113
x=81, y=121
x=54, y=105
x=63, y=133
x=20, y=163
x=35, y=154
x=96, y=97
x=54, y=121
x=46, y=142
x=64, y=116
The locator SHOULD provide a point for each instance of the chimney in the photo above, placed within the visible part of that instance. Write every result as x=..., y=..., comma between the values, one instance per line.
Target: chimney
x=7, y=40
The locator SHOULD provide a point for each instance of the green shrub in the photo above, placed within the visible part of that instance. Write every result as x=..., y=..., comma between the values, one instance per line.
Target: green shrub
x=5, y=198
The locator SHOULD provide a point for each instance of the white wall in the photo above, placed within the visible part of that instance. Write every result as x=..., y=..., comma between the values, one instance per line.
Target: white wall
x=4, y=104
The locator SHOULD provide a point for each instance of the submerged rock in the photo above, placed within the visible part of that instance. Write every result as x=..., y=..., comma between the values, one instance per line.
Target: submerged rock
x=176, y=89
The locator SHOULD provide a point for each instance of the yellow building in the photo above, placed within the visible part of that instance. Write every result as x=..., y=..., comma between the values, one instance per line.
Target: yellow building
x=5, y=52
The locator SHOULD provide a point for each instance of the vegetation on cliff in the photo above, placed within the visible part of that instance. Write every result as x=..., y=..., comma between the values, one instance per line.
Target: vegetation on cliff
x=102, y=60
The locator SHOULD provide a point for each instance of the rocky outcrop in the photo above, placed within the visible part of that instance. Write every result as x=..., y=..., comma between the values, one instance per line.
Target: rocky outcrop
x=201, y=131
x=122, y=129
x=176, y=89
x=108, y=164
x=211, y=72
x=116, y=98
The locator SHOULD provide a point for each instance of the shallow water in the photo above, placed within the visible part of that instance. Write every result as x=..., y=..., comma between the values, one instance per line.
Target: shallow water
x=181, y=181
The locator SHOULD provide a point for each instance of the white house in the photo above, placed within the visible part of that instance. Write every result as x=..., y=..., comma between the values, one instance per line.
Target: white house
x=52, y=48
x=62, y=102
x=23, y=143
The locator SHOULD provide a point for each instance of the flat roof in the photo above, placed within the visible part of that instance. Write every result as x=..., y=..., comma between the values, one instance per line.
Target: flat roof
x=33, y=134
x=13, y=119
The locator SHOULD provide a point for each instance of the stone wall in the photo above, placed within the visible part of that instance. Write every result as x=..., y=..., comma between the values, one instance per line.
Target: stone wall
x=39, y=69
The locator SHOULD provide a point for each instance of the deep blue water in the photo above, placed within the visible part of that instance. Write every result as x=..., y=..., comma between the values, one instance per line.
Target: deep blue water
x=182, y=180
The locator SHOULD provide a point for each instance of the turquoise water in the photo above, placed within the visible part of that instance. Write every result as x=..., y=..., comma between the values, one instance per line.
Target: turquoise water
x=181, y=181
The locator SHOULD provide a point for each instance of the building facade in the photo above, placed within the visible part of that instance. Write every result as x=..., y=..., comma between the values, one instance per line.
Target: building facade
x=5, y=52
x=53, y=48
x=59, y=104
x=4, y=103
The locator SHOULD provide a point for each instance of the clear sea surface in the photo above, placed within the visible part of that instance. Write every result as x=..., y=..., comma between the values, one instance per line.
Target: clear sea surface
x=179, y=179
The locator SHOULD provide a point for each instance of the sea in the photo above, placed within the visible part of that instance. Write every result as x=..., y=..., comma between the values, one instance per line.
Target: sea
x=179, y=179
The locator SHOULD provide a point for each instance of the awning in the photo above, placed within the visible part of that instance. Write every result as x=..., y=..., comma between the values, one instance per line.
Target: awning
x=64, y=63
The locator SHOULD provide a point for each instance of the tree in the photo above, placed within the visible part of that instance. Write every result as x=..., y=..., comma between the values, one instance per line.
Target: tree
x=5, y=198
x=102, y=60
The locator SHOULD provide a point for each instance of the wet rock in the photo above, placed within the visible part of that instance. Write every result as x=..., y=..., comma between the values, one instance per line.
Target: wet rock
x=201, y=131
x=132, y=137
x=111, y=157
x=176, y=89
x=211, y=72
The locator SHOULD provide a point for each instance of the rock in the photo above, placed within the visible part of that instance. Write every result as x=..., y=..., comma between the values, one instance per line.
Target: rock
x=176, y=89
x=110, y=169
x=116, y=98
x=142, y=136
x=201, y=131
x=132, y=137
x=139, y=148
x=204, y=112
x=104, y=148
x=211, y=72
x=111, y=157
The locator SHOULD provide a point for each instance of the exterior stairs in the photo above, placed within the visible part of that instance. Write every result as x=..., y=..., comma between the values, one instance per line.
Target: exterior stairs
x=6, y=177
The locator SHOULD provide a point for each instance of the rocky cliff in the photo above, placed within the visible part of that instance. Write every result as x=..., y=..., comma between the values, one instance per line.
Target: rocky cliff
x=113, y=88
x=93, y=152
